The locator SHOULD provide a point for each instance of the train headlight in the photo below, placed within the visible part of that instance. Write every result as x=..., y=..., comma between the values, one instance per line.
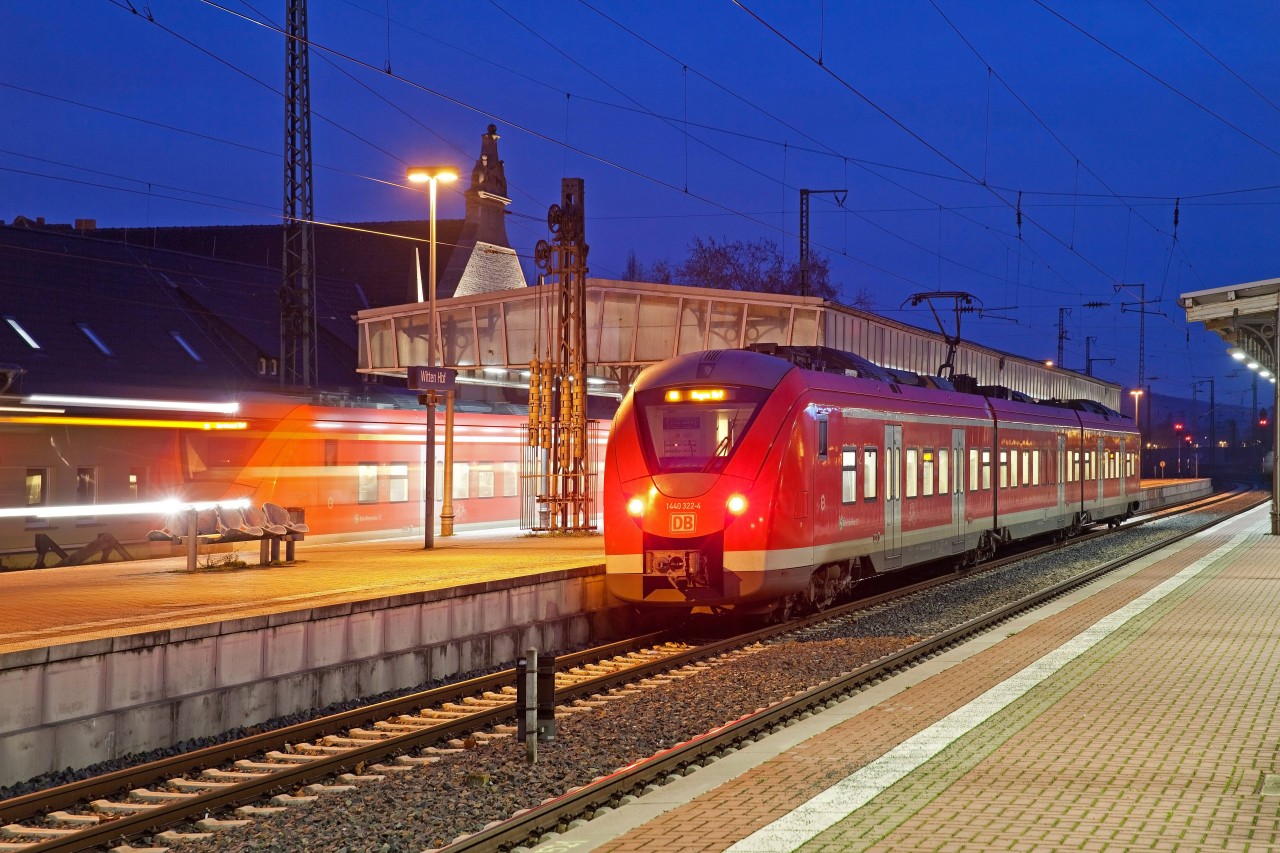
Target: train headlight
x=737, y=504
x=635, y=507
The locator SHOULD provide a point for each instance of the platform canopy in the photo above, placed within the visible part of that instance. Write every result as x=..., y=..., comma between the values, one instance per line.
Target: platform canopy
x=1246, y=317
x=1243, y=315
x=491, y=337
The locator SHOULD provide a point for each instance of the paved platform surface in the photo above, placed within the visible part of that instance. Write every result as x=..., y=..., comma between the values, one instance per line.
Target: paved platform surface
x=45, y=607
x=1139, y=713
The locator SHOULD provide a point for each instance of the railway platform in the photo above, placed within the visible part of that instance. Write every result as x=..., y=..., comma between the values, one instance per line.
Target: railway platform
x=100, y=600
x=106, y=659
x=1137, y=713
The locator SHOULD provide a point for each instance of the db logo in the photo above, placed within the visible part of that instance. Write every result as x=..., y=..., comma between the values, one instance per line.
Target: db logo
x=683, y=522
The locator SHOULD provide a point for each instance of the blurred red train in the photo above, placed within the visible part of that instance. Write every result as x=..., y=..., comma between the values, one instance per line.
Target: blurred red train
x=357, y=472
x=739, y=480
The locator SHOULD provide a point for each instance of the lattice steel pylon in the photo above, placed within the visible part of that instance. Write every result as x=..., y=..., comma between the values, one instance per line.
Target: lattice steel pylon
x=298, y=359
x=558, y=384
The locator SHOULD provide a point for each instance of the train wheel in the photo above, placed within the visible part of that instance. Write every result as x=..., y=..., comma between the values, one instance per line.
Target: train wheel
x=785, y=610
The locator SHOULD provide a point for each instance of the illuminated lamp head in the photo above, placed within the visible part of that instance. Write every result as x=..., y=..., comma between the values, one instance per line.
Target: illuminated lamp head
x=635, y=507
x=736, y=505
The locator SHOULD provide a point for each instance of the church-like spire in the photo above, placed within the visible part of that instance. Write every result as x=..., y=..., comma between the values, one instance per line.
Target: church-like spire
x=489, y=175
x=495, y=266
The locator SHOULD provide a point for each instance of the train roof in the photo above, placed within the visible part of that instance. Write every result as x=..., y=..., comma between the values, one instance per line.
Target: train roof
x=764, y=366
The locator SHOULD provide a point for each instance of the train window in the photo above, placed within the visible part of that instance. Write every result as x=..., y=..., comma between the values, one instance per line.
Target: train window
x=682, y=431
x=461, y=480
x=944, y=471
x=1004, y=469
x=86, y=485
x=137, y=483
x=510, y=479
x=330, y=452
x=1013, y=469
x=848, y=474
x=912, y=472
x=1035, y=467
x=398, y=482
x=986, y=470
x=926, y=472
x=870, y=457
x=367, y=482
x=822, y=436
x=209, y=456
x=37, y=486
x=484, y=480
x=1088, y=465
x=973, y=469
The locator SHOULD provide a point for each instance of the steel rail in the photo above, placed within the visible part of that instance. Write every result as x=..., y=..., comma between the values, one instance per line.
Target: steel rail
x=39, y=802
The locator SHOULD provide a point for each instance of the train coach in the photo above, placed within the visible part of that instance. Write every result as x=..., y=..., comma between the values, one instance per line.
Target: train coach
x=743, y=480
x=357, y=472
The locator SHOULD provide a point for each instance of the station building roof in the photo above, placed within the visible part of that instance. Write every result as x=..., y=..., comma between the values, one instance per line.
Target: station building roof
x=82, y=314
x=634, y=324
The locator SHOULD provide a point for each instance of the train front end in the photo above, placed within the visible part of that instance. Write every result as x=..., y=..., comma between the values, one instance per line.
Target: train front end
x=687, y=492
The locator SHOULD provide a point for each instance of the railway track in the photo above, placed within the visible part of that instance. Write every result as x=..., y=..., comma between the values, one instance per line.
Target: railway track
x=295, y=765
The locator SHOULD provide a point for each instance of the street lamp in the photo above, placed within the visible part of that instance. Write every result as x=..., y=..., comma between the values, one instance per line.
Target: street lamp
x=431, y=175
x=1136, y=394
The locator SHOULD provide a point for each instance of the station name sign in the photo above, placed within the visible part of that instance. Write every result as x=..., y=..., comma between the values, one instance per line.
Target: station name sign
x=431, y=378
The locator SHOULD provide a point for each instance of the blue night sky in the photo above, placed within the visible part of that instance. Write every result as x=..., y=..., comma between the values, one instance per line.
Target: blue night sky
x=705, y=119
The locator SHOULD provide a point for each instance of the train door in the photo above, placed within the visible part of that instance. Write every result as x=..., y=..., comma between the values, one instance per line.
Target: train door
x=1062, y=473
x=957, y=491
x=1122, y=471
x=892, y=496
x=1100, y=468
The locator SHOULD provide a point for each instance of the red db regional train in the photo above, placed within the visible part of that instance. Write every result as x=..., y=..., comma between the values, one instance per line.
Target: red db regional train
x=742, y=480
x=357, y=472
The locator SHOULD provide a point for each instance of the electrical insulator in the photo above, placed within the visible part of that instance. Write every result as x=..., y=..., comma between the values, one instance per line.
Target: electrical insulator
x=535, y=403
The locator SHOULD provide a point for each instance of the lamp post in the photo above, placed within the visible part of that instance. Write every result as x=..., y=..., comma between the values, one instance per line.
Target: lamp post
x=431, y=175
x=1136, y=394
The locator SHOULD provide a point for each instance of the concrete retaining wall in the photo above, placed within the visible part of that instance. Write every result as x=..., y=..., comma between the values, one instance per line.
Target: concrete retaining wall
x=1182, y=490
x=78, y=704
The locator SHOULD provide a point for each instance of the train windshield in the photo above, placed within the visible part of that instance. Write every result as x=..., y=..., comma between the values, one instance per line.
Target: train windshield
x=695, y=429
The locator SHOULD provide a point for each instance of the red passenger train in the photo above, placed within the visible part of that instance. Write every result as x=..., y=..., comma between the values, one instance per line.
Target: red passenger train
x=738, y=479
x=357, y=472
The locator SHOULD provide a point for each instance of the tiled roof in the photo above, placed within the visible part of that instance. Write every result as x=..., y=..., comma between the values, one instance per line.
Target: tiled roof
x=359, y=252
x=146, y=307
x=490, y=268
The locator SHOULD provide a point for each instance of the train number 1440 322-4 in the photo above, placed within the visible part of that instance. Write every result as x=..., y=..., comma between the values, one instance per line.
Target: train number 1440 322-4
x=675, y=506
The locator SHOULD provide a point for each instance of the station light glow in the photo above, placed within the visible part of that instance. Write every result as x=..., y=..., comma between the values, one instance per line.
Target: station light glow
x=154, y=423
x=44, y=410
x=22, y=333
x=124, y=403
x=166, y=507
